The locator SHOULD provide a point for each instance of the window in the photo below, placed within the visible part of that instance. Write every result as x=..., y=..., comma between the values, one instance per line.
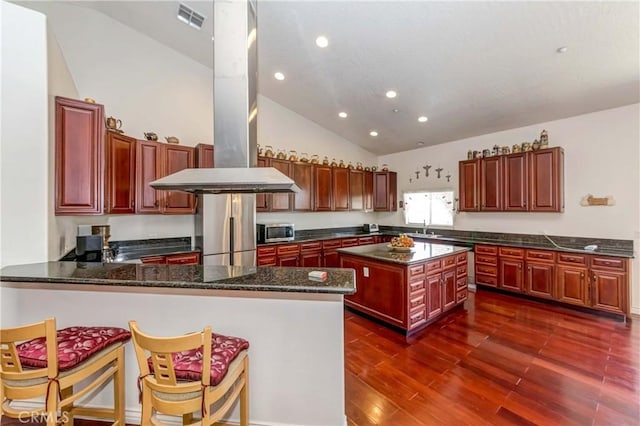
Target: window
x=429, y=208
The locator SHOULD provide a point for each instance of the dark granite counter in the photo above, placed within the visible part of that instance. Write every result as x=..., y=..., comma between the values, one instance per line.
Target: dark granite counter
x=339, y=281
x=419, y=253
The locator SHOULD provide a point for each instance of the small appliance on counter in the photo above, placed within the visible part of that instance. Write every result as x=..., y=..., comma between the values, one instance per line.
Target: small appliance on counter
x=89, y=248
x=275, y=232
x=370, y=227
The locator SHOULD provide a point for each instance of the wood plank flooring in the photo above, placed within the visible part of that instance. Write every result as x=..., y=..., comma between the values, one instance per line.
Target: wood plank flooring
x=500, y=360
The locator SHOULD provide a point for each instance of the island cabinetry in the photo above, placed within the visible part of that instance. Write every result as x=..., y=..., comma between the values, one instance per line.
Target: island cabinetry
x=469, y=179
x=511, y=261
x=540, y=273
x=120, y=176
x=462, y=279
x=311, y=254
x=434, y=289
x=385, y=191
x=204, y=156
x=79, y=157
x=486, y=265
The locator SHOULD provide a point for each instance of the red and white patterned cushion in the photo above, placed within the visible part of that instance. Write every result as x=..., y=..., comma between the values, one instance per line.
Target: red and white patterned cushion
x=224, y=349
x=75, y=344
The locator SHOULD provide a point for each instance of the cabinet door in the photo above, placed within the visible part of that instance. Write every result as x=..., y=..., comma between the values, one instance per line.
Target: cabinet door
x=449, y=288
x=148, y=169
x=609, y=291
x=385, y=191
x=331, y=258
x=311, y=259
x=546, y=186
x=177, y=158
x=204, y=156
x=540, y=280
x=154, y=260
x=288, y=260
x=515, y=182
x=262, y=199
x=572, y=285
x=356, y=190
x=340, y=189
x=434, y=295
x=184, y=259
x=79, y=152
x=511, y=275
x=469, y=183
x=322, y=177
x=491, y=184
x=121, y=174
x=303, y=177
x=281, y=202
x=368, y=191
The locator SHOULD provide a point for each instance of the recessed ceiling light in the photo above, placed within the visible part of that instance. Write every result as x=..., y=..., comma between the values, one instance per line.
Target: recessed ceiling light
x=422, y=119
x=373, y=133
x=278, y=76
x=562, y=49
x=343, y=114
x=322, y=41
x=391, y=94
x=395, y=110
x=420, y=143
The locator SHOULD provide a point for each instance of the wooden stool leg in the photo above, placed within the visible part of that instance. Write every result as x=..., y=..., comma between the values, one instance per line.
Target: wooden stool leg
x=146, y=405
x=244, y=395
x=67, y=410
x=118, y=388
x=52, y=404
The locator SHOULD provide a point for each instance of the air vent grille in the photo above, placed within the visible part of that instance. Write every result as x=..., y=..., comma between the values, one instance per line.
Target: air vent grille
x=190, y=17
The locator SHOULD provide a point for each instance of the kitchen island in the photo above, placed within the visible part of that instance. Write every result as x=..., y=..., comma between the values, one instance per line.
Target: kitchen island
x=294, y=324
x=407, y=290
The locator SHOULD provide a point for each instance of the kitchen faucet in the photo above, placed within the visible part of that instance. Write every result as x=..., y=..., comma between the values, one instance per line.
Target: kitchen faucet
x=424, y=227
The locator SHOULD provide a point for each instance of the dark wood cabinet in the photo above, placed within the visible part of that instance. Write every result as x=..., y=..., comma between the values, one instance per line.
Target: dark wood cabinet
x=515, y=182
x=311, y=254
x=204, y=156
x=288, y=254
x=434, y=298
x=368, y=191
x=572, y=285
x=192, y=258
x=540, y=278
x=486, y=265
x=266, y=256
x=330, y=255
x=302, y=175
x=323, y=183
x=79, y=157
x=449, y=288
x=491, y=184
x=469, y=182
x=609, y=290
x=340, y=181
x=120, y=176
x=511, y=274
x=356, y=190
x=385, y=191
x=178, y=158
x=262, y=204
x=280, y=202
x=546, y=180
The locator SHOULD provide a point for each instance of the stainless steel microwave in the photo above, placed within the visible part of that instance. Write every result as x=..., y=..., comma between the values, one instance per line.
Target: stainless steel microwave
x=275, y=232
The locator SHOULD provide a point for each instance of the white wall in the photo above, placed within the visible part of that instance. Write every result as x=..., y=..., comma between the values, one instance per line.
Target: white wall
x=23, y=136
x=601, y=158
x=283, y=128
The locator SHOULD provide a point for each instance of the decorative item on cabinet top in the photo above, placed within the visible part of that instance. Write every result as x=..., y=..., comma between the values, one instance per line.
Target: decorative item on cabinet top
x=113, y=124
x=150, y=136
x=172, y=139
x=536, y=145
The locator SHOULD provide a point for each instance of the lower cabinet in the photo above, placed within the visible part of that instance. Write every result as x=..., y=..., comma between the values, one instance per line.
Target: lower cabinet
x=288, y=254
x=572, y=285
x=311, y=255
x=192, y=258
x=330, y=255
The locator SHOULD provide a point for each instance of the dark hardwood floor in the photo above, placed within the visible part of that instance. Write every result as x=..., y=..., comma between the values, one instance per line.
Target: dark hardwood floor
x=500, y=360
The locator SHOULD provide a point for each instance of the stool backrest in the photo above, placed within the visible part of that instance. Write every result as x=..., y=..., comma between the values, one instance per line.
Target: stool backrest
x=160, y=349
x=10, y=365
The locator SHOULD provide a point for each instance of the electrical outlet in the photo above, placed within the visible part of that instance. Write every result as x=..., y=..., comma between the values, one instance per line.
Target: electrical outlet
x=365, y=272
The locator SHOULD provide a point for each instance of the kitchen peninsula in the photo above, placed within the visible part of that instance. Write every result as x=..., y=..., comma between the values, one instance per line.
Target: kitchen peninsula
x=294, y=324
x=407, y=290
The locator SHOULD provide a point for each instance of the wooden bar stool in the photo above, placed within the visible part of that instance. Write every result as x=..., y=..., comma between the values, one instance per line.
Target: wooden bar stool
x=198, y=372
x=37, y=361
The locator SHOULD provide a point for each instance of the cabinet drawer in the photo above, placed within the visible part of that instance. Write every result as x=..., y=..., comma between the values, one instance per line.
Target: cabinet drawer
x=487, y=260
x=461, y=295
x=349, y=242
x=416, y=286
x=487, y=280
x=156, y=260
x=609, y=262
x=512, y=252
x=418, y=300
x=316, y=246
x=288, y=249
x=486, y=249
x=461, y=258
x=184, y=259
x=572, y=259
x=487, y=270
x=433, y=266
x=448, y=261
x=366, y=240
x=266, y=251
x=267, y=261
x=461, y=282
x=417, y=317
x=329, y=244
x=416, y=270
x=461, y=271
x=541, y=255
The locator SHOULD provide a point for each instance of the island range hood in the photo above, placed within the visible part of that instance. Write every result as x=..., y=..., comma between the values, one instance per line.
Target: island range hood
x=235, y=113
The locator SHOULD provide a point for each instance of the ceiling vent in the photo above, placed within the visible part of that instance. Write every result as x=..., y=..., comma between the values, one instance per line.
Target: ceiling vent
x=190, y=17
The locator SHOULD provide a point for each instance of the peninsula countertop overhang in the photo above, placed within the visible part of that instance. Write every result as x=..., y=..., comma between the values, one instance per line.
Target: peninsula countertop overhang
x=419, y=253
x=274, y=279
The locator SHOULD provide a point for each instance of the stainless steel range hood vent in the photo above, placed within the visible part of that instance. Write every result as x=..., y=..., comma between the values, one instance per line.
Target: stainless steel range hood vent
x=254, y=180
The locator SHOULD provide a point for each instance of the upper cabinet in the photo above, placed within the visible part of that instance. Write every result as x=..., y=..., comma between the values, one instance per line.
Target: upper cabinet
x=356, y=190
x=79, y=157
x=302, y=174
x=120, y=176
x=527, y=181
x=340, y=189
x=204, y=156
x=385, y=191
x=323, y=178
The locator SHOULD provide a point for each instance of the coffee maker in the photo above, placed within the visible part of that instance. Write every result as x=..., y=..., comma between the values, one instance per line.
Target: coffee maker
x=94, y=247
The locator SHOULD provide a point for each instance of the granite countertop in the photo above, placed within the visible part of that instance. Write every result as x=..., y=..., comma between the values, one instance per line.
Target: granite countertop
x=339, y=281
x=420, y=252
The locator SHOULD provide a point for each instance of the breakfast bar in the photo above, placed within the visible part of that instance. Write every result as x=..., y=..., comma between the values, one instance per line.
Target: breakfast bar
x=407, y=288
x=287, y=318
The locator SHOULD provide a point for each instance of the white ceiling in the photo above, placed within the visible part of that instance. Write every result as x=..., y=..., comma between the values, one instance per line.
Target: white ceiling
x=472, y=67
